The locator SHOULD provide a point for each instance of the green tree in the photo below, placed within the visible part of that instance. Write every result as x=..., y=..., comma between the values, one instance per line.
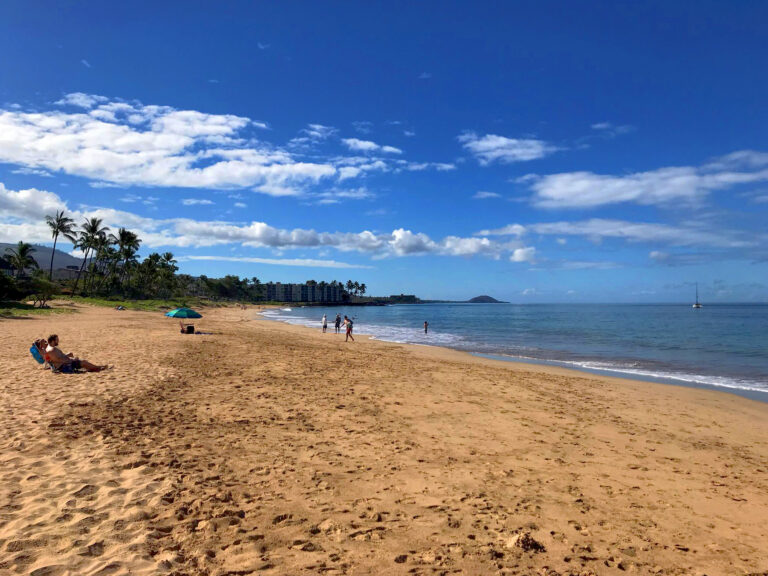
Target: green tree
x=41, y=288
x=102, y=254
x=20, y=258
x=86, y=242
x=127, y=243
x=257, y=289
x=60, y=225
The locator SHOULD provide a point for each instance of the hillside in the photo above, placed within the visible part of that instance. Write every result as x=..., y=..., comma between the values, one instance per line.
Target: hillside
x=484, y=300
x=42, y=255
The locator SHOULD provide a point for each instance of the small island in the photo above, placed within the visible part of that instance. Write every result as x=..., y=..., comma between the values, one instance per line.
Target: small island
x=485, y=300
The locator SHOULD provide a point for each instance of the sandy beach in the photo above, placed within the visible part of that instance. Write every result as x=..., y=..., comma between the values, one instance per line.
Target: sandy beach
x=273, y=449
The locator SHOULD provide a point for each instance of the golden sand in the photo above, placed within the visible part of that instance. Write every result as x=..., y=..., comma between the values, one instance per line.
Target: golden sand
x=273, y=449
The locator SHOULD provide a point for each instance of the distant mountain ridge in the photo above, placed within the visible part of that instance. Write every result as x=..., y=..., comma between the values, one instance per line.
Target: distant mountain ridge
x=42, y=256
x=484, y=300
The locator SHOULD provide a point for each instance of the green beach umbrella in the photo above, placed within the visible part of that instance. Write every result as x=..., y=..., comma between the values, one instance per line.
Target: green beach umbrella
x=183, y=313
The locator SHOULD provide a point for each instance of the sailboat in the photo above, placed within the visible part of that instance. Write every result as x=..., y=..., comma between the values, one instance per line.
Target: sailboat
x=697, y=304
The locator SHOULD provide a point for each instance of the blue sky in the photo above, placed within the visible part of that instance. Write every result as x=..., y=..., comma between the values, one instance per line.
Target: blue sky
x=538, y=152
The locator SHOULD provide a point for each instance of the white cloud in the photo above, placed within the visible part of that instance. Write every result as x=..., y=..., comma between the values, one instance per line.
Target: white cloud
x=30, y=204
x=80, y=99
x=588, y=265
x=128, y=143
x=335, y=195
x=529, y=292
x=492, y=148
x=609, y=130
x=363, y=126
x=319, y=131
x=32, y=172
x=482, y=195
x=419, y=166
x=85, y=63
x=240, y=205
x=677, y=185
x=510, y=230
x=117, y=143
x=597, y=229
x=132, y=198
x=357, y=145
x=683, y=258
x=196, y=202
x=302, y=262
x=523, y=254
x=21, y=218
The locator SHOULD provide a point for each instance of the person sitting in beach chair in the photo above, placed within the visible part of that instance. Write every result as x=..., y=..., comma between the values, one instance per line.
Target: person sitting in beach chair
x=190, y=329
x=38, y=351
x=66, y=363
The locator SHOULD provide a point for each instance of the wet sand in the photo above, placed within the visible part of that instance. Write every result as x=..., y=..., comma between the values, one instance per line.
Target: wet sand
x=274, y=449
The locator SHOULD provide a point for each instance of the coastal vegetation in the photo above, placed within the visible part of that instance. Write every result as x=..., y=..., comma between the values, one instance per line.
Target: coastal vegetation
x=111, y=271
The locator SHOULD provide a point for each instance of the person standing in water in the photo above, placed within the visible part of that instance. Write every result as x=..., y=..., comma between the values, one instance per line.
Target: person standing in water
x=348, y=324
x=426, y=326
x=325, y=323
x=338, y=323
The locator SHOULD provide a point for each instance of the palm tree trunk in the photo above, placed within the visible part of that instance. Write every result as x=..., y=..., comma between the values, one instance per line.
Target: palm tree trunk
x=77, y=280
x=50, y=273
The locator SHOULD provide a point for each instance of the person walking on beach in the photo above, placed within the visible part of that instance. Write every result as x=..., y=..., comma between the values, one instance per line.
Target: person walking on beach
x=426, y=326
x=348, y=325
x=338, y=323
x=325, y=323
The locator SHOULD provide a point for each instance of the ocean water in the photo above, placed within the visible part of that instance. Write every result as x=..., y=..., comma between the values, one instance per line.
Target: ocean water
x=723, y=346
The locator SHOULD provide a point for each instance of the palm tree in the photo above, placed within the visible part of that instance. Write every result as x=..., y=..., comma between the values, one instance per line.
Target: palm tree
x=257, y=288
x=87, y=241
x=350, y=286
x=167, y=261
x=21, y=258
x=60, y=225
x=127, y=246
x=102, y=249
x=363, y=288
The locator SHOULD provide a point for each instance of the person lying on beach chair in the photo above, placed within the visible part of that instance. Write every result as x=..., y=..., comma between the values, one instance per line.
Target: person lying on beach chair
x=66, y=363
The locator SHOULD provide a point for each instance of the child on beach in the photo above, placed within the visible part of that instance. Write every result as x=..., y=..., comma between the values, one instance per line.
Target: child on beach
x=325, y=323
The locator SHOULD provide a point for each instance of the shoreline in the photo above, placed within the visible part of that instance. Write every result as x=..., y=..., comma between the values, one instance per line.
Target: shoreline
x=266, y=448
x=751, y=394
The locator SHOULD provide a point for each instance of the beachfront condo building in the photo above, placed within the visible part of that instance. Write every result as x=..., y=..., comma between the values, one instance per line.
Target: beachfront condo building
x=278, y=292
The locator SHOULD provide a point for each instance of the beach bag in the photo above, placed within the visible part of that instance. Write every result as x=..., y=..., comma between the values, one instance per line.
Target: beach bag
x=189, y=329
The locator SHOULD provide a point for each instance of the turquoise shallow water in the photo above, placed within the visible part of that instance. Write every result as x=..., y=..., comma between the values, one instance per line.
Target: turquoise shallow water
x=724, y=346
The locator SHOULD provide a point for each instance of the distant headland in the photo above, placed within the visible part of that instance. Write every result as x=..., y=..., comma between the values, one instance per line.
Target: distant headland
x=485, y=300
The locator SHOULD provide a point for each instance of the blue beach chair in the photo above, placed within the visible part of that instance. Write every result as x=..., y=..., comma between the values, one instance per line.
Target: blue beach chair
x=36, y=353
